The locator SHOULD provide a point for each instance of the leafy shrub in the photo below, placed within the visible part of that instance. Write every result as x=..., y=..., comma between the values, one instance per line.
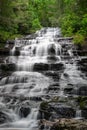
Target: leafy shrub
x=35, y=25
x=78, y=38
x=4, y=35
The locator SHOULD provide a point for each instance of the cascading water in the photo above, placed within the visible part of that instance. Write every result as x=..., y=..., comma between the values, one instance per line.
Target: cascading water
x=23, y=90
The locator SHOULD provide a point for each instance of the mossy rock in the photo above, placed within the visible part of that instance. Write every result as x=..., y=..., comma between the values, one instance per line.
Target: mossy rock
x=7, y=67
x=82, y=101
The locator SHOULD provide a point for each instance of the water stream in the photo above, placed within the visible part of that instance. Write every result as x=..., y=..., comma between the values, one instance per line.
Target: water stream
x=27, y=86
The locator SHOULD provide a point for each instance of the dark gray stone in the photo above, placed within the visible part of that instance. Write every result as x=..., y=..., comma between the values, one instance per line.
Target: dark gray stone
x=24, y=111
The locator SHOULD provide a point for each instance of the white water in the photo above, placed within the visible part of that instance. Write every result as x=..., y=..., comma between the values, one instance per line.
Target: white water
x=24, y=82
x=78, y=114
x=37, y=52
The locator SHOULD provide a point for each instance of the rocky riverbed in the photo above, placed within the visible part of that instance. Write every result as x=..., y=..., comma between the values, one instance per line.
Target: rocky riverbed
x=43, y=83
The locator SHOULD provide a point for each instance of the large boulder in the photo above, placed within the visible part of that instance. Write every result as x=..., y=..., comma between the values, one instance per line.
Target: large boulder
x=24, y=109
x=63, y=111
x=54, y=110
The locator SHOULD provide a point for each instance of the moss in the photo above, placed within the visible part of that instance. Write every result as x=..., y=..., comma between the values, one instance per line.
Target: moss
x=44, y=105
x=79, y=38
x=82, y=101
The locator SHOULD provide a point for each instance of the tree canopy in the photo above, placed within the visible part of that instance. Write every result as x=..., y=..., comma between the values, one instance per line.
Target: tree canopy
x=21, y=17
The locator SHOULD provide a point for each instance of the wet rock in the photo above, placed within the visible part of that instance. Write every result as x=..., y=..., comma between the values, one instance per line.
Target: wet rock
x=82, y=91
x=34, y=98
x=3, y=118
x=52, y=58
x=69, y=124
x=63, y=111
x=68, y=90
x=7, y=67
x=2, y=59
x=66, y=75
x=41, y=67
x=51, y=49
x=82, y=60
x=5, y=51
x=17, y=52
x=56, y=110
x=44, y=111
x=24, y=111
x=10, y=42
x=53, y=87
x=14, y=89
x=64, y=124
x=6, y=99
x=82, y=65
x=84, y=113
x=56, y=66
x=55, y=75
x=46, y=67
x=81, y=52
x=32, y=36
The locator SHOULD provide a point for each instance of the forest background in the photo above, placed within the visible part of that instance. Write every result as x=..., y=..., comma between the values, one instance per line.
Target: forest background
x=23, y=17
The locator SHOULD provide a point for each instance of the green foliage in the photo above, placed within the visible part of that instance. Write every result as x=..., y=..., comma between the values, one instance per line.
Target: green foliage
x=82, y=101
x=73, y=18
x=4, y=36
x=25, y=16
x=35, y=25
x=21, y=17
x=78, y=38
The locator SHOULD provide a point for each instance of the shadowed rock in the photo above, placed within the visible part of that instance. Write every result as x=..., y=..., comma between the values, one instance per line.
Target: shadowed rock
x=46, y=67
x=7, y=67
x=24, y=111
x=64, y=124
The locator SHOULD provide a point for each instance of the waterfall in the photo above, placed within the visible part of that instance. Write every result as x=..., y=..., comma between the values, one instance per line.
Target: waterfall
x=78, y=114
x=44, y=66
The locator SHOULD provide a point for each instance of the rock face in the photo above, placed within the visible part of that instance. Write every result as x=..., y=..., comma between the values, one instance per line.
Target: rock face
x=41, y=67
x=51, y=49
x=83, y=65
x=53, y=74
x=7, y=67
x=82, y=91
x=46, y=67
x=46, y=79
x=64, y=124
x=24, y=111
x=5, y=52
x=84, y=112
x=56, y=110
x=3, y=118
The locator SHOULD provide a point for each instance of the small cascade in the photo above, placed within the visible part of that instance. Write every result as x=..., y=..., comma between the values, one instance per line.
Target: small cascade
x=44, y=70
x=40, y=50
x=43, y=46
x=78, y=114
